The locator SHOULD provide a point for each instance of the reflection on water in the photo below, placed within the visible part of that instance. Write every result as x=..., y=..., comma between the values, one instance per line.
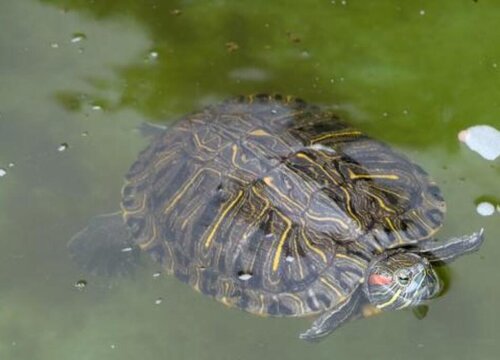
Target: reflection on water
x=87, y=73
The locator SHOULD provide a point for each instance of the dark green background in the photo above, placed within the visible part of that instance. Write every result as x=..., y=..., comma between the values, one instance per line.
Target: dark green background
x=412, y=73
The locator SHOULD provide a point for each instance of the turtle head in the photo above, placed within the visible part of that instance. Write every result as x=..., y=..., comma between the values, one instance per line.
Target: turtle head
x=401, y=279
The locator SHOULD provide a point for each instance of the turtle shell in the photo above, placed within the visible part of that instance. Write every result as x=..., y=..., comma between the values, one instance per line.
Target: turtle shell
x=274, y=206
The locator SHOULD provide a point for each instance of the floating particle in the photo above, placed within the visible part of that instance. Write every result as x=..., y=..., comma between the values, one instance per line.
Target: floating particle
x=422, y=12
x=81, y=284
x=156, y=275
x=78, y=37
x=54, y=45
x=232, y=46
x=158, y=301
x=289, y=259
x=63, y=147
x=3, y=172
x=176, y=12
x=127, y=249
x=153, y=55
x=292, y=37
x=483, y=139
x=485, y=209
x=11, y=164
x=96, y=107
x=305, y=54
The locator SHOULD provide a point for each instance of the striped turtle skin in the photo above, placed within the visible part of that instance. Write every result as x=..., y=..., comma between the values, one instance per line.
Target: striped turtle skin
x=274, y=206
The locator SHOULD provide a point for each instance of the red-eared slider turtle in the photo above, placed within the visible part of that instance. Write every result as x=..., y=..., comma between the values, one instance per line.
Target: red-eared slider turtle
x=279, y=208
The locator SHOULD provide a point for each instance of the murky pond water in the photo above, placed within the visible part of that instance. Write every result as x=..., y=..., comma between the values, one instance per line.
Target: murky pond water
x=77, y=79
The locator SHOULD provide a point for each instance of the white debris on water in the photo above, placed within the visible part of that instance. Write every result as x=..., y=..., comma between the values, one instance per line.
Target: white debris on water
x=62, y=147
x=485, y=209
x=483, y=139
x=3, y=172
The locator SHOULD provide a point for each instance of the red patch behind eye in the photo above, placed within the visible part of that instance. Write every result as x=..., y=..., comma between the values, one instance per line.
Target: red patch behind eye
x=377, y=279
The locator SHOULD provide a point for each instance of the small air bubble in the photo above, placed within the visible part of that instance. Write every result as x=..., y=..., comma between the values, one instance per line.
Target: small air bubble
x=156, y=275
x=81, y=284
x=422, y=12
x=244, y=276
x=3, y=172
x=63, y=147
x=78, y=37
x=112, y=346
x=158, y=301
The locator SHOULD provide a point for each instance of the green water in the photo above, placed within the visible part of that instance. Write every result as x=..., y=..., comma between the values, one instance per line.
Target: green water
x=87, y=73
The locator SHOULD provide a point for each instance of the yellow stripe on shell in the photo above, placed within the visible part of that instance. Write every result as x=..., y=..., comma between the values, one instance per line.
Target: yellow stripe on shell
x=335, y=135
x=259, y=132
x=393, y=228
x=282, y=240
x=326, y=219
x=379, y=200
x=354, y=176
x=231, y=205
x=312, y=247
x=269, y=182
x=185, y=188
x=332, y=287
x=356, y=261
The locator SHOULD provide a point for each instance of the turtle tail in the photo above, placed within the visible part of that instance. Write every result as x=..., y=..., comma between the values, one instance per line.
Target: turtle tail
x=105, y=247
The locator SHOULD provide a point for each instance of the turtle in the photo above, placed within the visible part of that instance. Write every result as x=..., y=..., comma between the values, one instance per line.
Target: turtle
x=280, y=208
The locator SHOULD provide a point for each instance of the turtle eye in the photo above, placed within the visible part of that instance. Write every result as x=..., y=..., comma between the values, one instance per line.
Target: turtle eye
x=403, y=277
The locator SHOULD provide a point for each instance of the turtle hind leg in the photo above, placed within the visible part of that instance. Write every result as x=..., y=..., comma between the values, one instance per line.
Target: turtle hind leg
x=105, y=247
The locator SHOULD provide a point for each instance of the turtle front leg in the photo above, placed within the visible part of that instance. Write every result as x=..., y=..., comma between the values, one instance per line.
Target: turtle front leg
x=328, y=322
x=448, y=250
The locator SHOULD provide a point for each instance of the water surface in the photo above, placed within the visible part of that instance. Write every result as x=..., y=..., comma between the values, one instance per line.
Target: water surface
x=88, y=73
